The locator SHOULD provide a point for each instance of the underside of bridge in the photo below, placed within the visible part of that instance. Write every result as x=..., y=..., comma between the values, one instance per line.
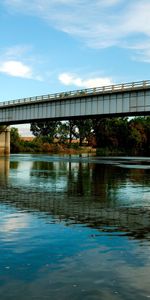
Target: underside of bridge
x=4, y=140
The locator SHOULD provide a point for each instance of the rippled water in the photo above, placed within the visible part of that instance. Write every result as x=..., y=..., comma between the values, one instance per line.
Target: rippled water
x=74, y=228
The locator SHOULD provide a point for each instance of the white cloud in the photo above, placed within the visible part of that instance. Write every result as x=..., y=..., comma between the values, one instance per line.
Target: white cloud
x=137, y=19
x=17, y=51
x=16, y=61
x=16, y=69
x=141, y=51
x=71, y=79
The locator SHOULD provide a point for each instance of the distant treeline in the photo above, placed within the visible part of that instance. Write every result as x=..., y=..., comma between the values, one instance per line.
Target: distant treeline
x=110, y=136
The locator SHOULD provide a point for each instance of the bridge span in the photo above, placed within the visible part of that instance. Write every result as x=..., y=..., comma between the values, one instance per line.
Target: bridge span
x=127, y=99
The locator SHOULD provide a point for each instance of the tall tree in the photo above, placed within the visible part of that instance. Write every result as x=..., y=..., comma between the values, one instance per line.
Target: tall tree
x=15, y=141
x=102, y=132
x=85, y=128
x=72, y=130
x=47, y=129
x=139, y=135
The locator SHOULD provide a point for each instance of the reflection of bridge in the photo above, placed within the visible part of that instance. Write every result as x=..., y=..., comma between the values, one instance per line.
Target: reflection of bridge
x=116, y=100
x=4, y=169
x=72, y=210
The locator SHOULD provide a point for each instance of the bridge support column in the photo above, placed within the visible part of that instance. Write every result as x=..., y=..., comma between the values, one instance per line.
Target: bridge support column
x=5, y=141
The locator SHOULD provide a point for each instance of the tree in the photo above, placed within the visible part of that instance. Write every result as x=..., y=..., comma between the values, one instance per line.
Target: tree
x=147, y=131
x=123, y=135
x=63, y=132
x=111, y=134
x=139, y=135
x=46, y=130
x=85, y=128
x=72, y=130
x=102, y=132
x=15, y=141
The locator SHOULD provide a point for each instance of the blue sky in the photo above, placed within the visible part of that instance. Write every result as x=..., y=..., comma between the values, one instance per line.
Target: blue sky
x=55, y=45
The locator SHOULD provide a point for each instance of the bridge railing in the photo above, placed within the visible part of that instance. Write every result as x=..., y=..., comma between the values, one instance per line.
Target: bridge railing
x=81, y=93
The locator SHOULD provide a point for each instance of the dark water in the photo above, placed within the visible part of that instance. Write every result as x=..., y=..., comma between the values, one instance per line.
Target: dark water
x=74, y=228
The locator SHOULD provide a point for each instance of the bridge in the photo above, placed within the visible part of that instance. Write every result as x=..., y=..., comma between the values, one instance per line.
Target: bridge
x=127, y=99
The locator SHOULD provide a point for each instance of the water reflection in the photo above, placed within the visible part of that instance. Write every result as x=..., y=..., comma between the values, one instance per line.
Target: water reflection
x=99, y=196
x=72, y=228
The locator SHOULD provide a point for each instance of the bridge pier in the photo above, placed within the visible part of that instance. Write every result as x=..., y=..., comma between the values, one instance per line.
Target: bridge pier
x=5, y=140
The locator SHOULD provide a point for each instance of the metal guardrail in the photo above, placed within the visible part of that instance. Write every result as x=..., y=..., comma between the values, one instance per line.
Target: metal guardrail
x=84, y=92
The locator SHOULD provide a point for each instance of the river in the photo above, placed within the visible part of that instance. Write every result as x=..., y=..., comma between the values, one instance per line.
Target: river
x=74, y=227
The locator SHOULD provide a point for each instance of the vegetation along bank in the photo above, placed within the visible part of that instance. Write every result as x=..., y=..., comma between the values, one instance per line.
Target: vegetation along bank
x=109, y=136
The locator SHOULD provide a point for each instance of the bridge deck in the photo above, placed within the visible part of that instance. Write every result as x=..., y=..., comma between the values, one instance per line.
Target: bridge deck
x=128, y=99
x=123, y=87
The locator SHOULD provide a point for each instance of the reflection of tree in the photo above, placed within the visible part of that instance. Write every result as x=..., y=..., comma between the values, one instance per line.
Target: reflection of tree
x=14, y=164
x=140, y=176
x=106, y=180
x=50, y=169
x=79, y=179
x=80, y=184
x=102, y=182
x=91, y=195
x=42, y=167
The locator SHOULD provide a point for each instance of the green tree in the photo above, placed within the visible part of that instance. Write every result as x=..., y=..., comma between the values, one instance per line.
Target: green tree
x=139, y=135
x=46, y=130
x=123, y=135
x=63, y=132
x=72, y=130
x=66, y=131
x=112, y=134
x=147, y=131
x=102, y=132
x=15, y=141
x=85, y=129
x=119, y=131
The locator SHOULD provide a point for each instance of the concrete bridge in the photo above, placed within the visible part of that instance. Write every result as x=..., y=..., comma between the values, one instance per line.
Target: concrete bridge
x=127, y=99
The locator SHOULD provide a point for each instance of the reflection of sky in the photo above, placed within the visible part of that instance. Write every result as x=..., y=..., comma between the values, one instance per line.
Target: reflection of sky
x=132, y=195
x=44, y=256
x=26, y=176
x=14, y=222
x=47, y=259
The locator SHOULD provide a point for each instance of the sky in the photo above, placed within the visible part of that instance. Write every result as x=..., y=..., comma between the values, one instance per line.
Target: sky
x=48, y=46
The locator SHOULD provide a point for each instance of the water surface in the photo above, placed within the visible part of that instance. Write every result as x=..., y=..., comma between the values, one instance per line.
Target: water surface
x=74, y=228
